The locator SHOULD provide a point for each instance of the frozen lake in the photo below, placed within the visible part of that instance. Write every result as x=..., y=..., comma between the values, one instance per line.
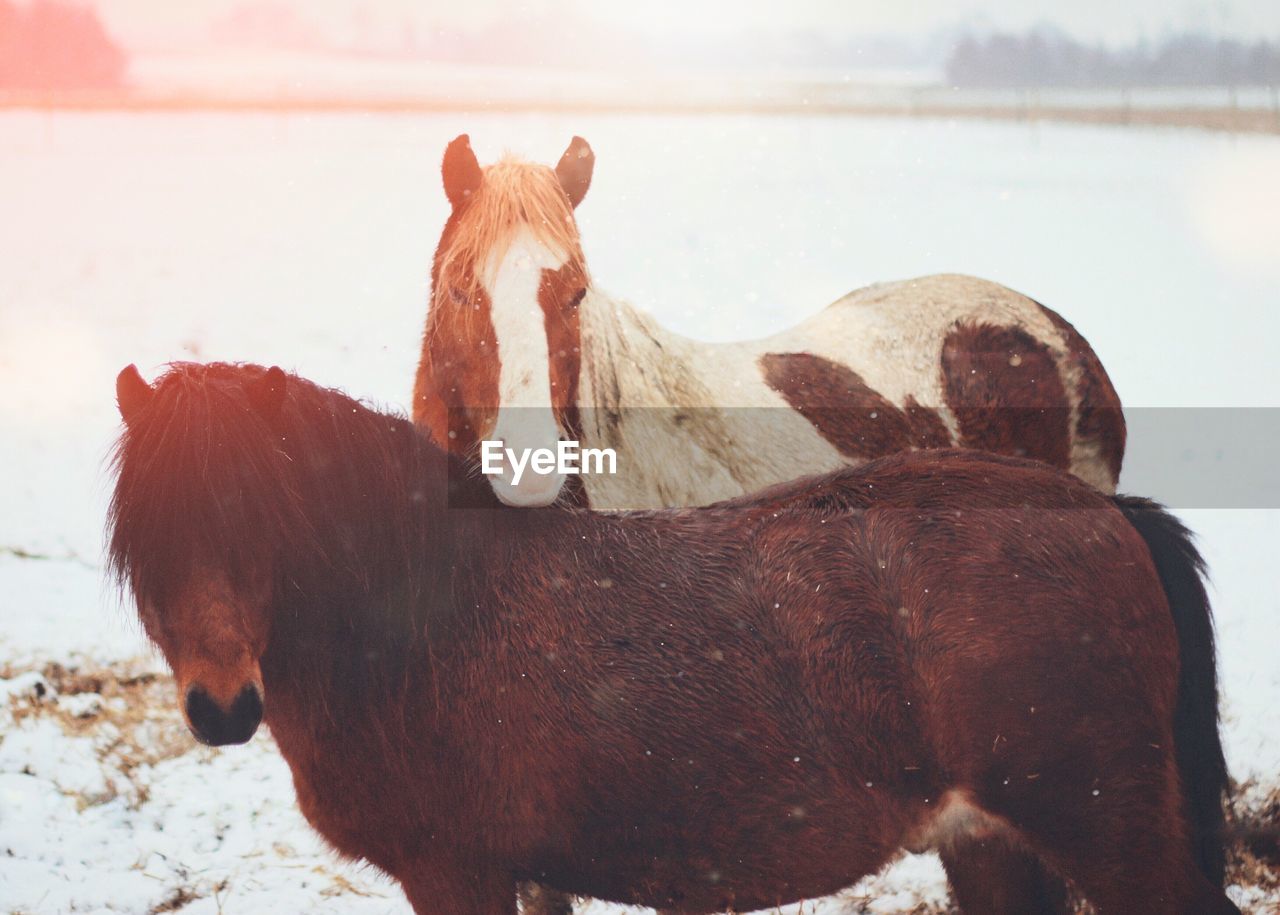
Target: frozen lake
x=306, y=241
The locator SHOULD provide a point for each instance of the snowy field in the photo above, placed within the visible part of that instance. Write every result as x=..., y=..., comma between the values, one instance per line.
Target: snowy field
x=306, y=242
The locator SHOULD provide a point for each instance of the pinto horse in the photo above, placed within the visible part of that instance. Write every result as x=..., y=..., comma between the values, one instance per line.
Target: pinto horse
x=522, y=347
x=734, y=706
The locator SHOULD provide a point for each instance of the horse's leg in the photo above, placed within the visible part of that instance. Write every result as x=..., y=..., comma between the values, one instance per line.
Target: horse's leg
x=994, y=877
x=1160, y=877
x=539, y=900
x=1159, y=881
x=438, y=888
x=1125, y=845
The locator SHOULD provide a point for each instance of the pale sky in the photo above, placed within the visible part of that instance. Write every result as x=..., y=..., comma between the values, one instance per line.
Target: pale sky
x=152, y=22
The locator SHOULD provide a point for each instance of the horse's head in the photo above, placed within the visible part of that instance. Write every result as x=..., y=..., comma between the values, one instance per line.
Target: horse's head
x=186, y=504
x=500, y=355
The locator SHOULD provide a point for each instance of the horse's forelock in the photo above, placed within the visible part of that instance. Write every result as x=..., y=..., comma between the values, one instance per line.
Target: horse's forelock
x=201, y=482
x=514, y=196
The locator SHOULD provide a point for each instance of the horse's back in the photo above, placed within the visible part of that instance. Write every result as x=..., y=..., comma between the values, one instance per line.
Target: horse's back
x=941, y=298
x=1002, y=372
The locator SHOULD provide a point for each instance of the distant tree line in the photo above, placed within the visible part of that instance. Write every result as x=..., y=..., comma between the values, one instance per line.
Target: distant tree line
x=51, y=44
x=1048, y=58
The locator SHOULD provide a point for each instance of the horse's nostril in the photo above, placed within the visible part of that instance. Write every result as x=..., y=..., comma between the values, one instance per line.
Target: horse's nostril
x=213, y=725
x=202, y=712
x=247, y=708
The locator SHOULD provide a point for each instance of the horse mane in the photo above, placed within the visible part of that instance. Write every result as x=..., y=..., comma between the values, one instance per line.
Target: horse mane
x=205, y=481
x=630, y=360
x=514, y=195
x=197, y=437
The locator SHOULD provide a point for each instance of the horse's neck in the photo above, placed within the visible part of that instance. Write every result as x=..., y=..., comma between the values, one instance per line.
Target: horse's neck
x=650, y=396
x=344, y=660
x=371, y=600
x=629, y=360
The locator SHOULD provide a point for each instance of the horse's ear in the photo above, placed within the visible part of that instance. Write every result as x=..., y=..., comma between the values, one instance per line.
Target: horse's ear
x=132, y=393
x=461, y=171
x=574, y=170
x=266, y=394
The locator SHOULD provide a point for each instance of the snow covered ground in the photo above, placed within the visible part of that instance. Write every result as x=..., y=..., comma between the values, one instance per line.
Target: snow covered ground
x=305, y=241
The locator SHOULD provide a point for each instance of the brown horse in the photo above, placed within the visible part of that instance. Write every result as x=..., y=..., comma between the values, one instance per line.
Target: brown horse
x=734, y=706
x=521, y=346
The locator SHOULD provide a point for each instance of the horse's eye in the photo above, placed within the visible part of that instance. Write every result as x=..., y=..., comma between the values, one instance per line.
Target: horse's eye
x=577, y=298
x=458, y=298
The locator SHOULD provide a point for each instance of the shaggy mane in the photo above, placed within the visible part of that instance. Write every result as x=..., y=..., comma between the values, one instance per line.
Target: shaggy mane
x=326, y=496
x=204, y=481
x=197, y=437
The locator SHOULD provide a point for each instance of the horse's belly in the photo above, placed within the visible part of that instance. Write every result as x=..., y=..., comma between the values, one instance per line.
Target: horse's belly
x=700, y=885
x=743, y=864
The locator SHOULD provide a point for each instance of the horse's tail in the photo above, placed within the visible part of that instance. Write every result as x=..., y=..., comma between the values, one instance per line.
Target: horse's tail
x=1198, y=748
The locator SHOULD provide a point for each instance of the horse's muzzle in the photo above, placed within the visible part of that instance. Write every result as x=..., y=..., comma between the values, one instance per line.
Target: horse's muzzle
x=534, y=490
x=213, y=725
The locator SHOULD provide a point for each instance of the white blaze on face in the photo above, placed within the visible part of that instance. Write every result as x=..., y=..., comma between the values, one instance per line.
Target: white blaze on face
x=525, y=416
